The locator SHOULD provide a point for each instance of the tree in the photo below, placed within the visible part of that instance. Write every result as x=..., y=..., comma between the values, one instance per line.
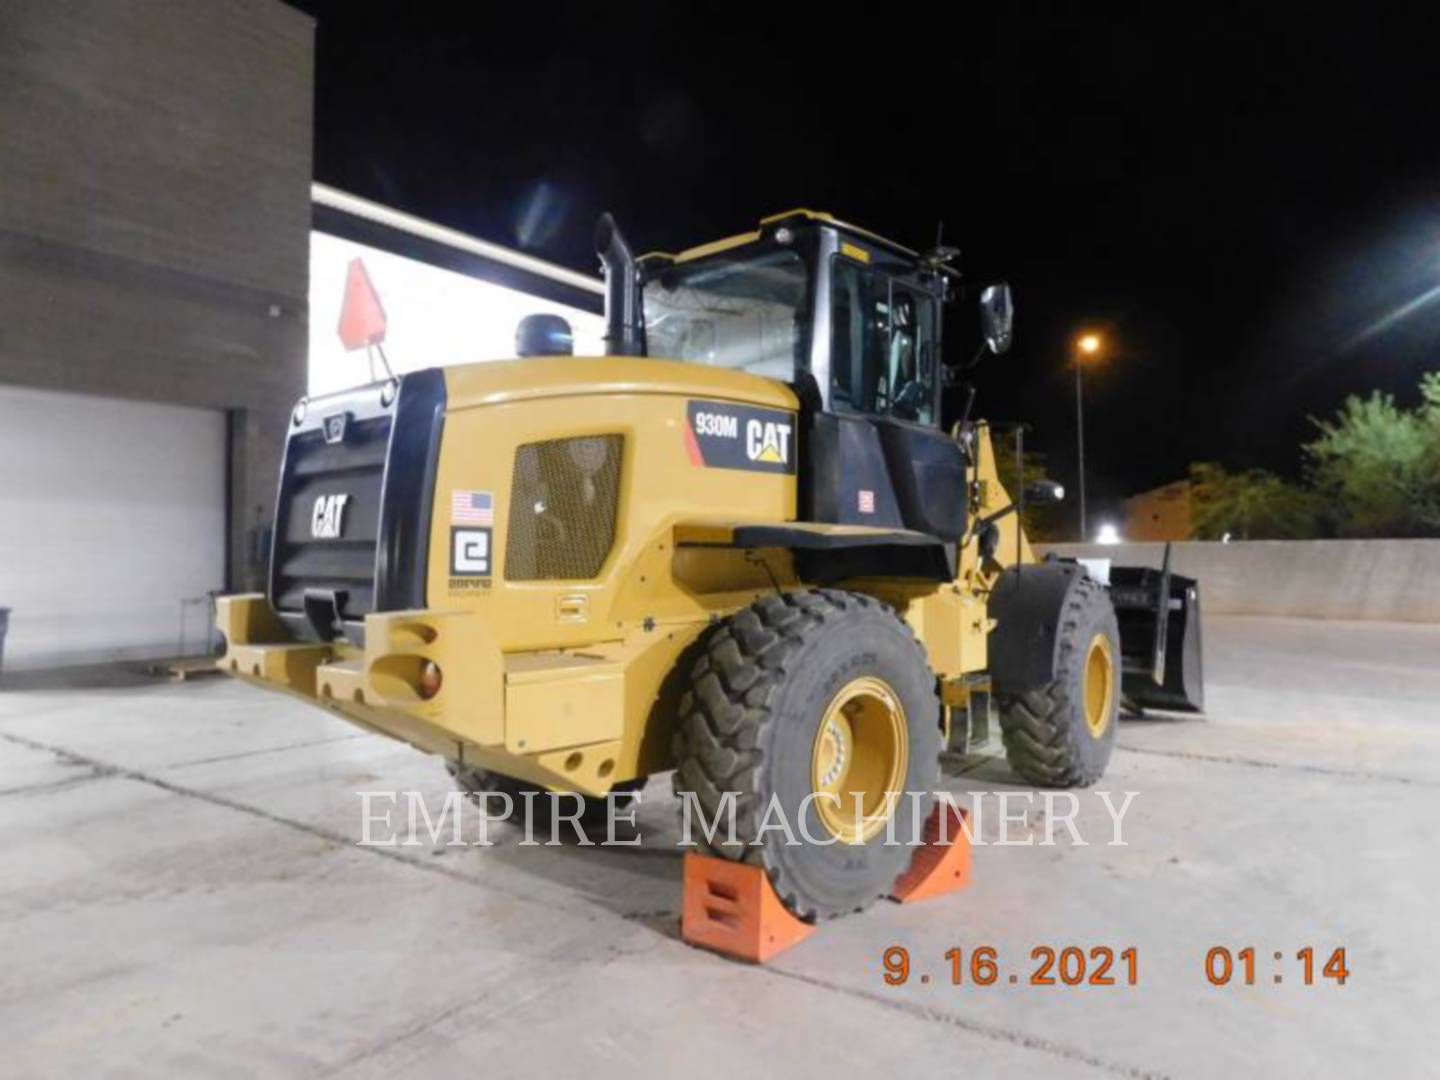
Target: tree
x=1377, y=464
x=1040, y=522
x=1249, y=505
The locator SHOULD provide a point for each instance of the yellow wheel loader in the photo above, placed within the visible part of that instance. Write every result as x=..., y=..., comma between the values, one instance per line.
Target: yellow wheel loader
x=739, y=546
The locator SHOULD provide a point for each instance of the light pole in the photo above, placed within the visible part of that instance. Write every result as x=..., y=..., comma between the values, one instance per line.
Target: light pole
x=1085, y=346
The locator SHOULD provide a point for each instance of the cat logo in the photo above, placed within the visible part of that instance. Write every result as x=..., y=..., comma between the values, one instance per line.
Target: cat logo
x=768, y=441
x=334, y=428
x=728, y=435
x=328, y=516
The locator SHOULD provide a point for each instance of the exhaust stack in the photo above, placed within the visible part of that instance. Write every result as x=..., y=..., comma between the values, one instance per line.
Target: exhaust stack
x=624, y=324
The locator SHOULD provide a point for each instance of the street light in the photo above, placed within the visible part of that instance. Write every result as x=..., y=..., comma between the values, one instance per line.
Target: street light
x=1086, y=346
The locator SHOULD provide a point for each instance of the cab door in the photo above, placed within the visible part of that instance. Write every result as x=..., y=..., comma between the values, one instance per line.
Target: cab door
x=879, y=456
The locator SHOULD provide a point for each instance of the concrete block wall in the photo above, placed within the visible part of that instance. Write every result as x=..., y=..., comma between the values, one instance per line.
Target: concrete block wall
x=1392, y=580
x=155, y=166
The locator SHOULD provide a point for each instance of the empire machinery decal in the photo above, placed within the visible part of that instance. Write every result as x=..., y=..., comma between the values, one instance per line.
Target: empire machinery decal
x=721, y=435
x=472, y=514
x=470, y=559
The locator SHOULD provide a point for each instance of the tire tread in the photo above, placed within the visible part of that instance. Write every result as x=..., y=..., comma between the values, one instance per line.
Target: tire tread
x=726, y=715
x=1038, y=726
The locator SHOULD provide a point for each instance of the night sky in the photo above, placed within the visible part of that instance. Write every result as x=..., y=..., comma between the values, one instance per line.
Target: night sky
x=1235, y=197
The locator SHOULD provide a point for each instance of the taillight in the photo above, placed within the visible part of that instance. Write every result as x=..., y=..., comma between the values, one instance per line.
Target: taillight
x=429, y=679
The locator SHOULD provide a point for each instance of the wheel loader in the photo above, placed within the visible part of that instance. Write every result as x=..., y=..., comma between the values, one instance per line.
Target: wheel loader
x=741, y=546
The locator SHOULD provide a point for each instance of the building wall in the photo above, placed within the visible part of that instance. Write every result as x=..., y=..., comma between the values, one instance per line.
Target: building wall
x=155, y=161
x=1387, y=580
x=1160, y=514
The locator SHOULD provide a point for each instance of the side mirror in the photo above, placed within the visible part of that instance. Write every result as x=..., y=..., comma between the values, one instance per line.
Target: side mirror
x=1045, y=493
x=544, y=335
x=997, y=317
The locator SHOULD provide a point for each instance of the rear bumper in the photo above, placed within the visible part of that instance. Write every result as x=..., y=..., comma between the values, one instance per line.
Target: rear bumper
x=555, y=718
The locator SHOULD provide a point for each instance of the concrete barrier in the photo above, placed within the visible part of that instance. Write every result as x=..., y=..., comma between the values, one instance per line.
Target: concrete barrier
x=1392, y=580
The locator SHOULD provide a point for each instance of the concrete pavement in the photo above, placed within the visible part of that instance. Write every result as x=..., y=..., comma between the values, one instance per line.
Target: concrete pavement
x=182, y=892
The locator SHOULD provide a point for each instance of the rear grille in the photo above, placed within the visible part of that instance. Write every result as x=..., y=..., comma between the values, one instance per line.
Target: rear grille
x=563, y=499
x=354, y=468
x=352, y=523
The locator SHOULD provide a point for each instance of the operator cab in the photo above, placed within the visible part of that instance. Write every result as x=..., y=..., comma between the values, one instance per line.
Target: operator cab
x=853, y=322
x=806, y=295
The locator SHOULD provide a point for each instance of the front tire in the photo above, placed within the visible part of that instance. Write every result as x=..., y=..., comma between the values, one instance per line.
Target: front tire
x=802, y=705
x=1061, y=735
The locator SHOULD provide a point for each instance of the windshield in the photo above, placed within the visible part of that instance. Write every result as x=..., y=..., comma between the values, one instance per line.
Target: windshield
x=745, y=311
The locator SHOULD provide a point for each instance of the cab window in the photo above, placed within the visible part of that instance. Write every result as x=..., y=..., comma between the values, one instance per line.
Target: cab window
x=883, y=344
x=743, y=310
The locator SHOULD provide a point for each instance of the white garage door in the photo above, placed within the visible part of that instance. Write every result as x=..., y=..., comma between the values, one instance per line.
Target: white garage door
x=112, y=515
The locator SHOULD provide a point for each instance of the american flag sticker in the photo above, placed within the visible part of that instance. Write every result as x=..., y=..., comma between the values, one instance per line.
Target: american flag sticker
x=472, y=508
x=867, y=502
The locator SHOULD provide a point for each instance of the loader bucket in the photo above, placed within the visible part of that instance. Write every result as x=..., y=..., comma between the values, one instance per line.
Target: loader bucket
x=1161, y=658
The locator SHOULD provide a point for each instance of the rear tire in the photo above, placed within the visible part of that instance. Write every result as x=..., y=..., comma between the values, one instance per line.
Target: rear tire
x=1061, y=735
x=802, y=693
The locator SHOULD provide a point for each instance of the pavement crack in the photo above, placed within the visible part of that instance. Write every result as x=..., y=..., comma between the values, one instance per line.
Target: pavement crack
x=426, y=862
x=1260, y=763
x=974, y=1027
x=506, y=1001
x=264, y=750
x=55, y=785
x=421, y=1026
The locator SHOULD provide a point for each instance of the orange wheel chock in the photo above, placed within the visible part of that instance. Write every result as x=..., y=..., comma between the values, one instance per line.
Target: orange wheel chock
x=732, y=908
x=942, y=863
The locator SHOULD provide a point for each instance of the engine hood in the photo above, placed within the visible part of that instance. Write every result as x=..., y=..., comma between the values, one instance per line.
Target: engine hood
x=473, y=385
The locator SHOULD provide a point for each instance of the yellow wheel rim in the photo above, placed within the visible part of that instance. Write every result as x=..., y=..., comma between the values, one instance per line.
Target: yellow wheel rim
x=1099, y=689
x=860, y=758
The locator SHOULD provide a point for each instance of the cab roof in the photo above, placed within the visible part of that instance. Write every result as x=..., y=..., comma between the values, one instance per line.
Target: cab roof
x=819, y=217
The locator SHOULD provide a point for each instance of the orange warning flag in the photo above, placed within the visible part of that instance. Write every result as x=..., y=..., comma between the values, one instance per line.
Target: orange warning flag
x=362, y=318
